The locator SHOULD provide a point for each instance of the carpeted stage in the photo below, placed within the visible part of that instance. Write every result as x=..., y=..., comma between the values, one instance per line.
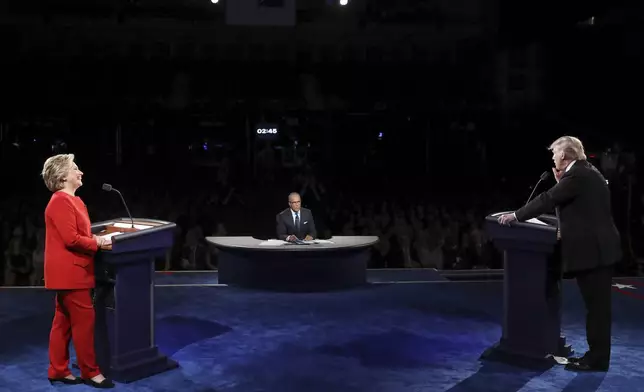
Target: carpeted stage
x=408, y=331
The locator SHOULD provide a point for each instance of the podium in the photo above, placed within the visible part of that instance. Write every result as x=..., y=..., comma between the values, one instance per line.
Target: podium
x=531, y=291
x=124, y=298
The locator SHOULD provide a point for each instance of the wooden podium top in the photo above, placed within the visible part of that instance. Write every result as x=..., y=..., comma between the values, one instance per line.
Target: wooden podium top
x=123, y=226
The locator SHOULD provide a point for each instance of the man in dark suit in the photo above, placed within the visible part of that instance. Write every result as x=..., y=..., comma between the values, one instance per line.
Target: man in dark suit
x=295, y=222
x=590, y=242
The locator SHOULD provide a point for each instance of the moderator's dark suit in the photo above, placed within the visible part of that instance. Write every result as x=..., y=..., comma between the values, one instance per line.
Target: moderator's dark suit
x=286, y=225
x=590, y=245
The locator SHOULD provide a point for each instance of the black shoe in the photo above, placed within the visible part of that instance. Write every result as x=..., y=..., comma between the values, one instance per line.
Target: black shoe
x=68, y=381
x=105, y=384
x=577, y=359
x=587, y=366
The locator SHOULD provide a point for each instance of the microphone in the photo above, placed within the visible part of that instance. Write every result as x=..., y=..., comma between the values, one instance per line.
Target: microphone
x=544, y=176
x=109, y=188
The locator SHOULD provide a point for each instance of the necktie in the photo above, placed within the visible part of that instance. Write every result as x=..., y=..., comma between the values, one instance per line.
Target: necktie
x=297, y=220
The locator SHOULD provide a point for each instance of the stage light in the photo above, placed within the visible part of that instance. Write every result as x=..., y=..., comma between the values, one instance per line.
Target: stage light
x=344, y=2
x=214, y=1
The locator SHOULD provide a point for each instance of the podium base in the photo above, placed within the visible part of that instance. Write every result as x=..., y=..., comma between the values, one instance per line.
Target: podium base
x=500, y=353
x=139, y=370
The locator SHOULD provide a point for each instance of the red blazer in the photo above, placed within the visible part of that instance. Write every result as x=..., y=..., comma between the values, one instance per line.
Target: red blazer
x=69, y=244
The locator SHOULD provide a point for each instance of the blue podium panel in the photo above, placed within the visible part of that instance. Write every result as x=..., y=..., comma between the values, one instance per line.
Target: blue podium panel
x=531, y=291
x=124, y=298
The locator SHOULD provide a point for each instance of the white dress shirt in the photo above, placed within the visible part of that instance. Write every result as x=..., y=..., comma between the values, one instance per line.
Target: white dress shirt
x=293, y=213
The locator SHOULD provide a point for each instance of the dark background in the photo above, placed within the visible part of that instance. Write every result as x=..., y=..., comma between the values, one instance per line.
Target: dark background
x=410, y=120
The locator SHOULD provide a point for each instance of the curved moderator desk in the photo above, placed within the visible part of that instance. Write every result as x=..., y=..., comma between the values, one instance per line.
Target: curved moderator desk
x=339, y=263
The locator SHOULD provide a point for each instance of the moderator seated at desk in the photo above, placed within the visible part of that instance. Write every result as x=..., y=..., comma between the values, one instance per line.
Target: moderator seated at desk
x=295, y=223
x=338, y=263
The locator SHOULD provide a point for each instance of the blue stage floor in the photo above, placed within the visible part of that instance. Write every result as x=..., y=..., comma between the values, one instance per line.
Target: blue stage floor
x=388, y=337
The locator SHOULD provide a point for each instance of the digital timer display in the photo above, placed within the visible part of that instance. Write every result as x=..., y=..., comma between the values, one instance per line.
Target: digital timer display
x=267, y=131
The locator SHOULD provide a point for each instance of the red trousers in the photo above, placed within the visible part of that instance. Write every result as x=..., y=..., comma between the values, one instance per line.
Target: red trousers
x=74, y=318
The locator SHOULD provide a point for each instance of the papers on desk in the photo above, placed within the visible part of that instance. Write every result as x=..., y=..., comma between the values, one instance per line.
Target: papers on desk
x=128, y=225
x=273, y=243
x=282, y=243
x=311, y=242
x=322, y=242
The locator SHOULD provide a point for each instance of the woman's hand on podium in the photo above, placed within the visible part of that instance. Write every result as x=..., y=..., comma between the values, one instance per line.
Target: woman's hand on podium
x=103, y=241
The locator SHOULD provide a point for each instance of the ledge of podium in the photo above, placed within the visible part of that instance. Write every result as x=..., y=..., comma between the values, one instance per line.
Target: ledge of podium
x=532, y=275
x=124, y=298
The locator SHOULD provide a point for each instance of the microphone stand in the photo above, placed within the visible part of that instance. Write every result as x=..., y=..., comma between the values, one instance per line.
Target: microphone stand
x=533, y=190
x=543, y=176
x=125, y=205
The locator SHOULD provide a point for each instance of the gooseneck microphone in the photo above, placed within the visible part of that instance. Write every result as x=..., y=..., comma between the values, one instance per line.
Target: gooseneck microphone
x=544, y=176
x=109, y=188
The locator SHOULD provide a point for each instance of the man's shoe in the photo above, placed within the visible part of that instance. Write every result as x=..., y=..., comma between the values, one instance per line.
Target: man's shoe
x=577, y=359
x=586, y=366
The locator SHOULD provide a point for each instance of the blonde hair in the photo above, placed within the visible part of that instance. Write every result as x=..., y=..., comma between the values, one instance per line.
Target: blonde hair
x=55, y=169
x=571, y=146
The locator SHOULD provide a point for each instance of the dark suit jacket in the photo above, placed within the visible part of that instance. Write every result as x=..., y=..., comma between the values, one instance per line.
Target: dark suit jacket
x=286, y=227
x=589, y=238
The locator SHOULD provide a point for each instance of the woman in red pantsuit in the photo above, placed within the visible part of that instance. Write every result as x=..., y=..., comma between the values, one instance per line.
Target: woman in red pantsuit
x=69, y=270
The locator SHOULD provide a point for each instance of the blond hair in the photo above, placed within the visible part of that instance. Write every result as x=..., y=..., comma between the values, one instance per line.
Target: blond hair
x=55, y=170
x=571, y=146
